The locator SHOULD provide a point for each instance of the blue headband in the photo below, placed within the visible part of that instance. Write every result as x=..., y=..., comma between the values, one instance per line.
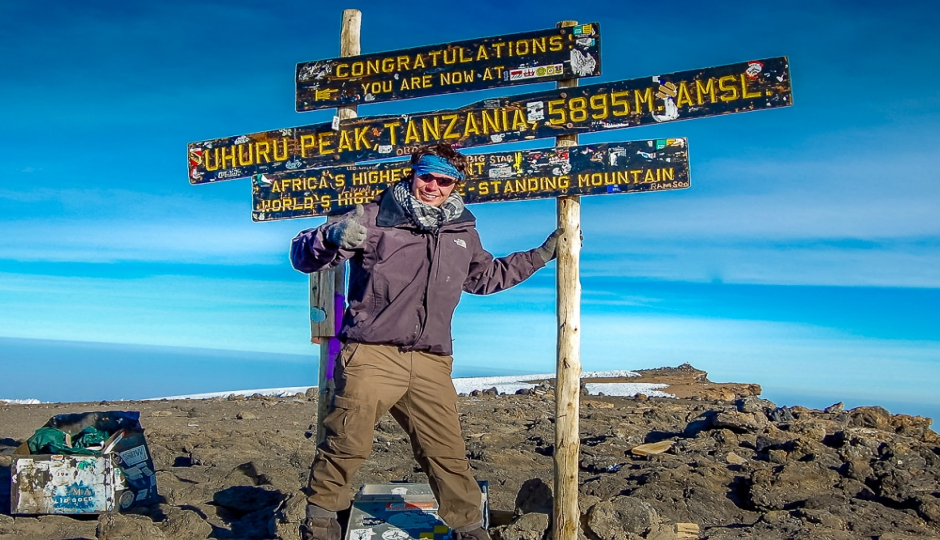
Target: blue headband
x=429, y=163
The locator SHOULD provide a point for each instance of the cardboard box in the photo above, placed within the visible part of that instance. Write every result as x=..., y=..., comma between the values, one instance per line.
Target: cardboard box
x=118, y=477
x=59, y=484
x=401, y=511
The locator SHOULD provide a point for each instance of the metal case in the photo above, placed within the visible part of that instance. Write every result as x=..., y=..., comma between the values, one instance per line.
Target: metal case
x=401, y=512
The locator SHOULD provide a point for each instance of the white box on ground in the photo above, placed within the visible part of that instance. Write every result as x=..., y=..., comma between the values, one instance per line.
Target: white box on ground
x=400, y=511
x=60, y=484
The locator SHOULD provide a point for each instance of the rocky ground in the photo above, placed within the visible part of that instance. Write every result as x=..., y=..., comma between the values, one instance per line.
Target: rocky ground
x=717, y=462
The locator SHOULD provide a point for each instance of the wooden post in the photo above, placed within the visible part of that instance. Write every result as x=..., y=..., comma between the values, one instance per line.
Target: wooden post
x=329, y=289
x=568, y=369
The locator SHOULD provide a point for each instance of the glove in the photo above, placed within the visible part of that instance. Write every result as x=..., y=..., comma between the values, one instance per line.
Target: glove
x=549, y=249
x=348, y=233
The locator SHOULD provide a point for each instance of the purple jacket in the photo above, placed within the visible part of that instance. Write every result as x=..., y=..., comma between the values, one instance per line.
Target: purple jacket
x=404, y=284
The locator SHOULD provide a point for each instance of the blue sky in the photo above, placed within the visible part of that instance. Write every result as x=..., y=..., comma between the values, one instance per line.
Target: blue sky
x=805, y=257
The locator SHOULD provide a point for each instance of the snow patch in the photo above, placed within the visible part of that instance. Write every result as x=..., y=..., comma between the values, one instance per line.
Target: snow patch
x=627, y=389
x=289, y=391
x=21, y=401
x=508, y=384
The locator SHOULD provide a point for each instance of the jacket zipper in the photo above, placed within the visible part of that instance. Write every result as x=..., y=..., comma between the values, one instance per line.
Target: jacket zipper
x=434, y=252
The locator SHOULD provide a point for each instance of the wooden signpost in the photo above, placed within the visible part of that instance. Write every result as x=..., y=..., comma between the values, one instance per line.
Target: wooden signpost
x=734, y=88
x=546, y=55
x=565, y=512
x=605, y=168
x=327, y=288
x=311, y=171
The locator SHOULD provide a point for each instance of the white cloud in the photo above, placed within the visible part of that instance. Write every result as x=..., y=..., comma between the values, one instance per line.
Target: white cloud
x=108, y=225
x=888, y=265
x=183, y=311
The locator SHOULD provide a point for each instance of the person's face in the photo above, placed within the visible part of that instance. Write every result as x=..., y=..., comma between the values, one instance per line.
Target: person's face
x=432, y=188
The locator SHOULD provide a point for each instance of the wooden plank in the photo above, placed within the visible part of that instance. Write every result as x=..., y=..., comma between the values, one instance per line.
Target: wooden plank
x=331, y=284
x=650, y=449
x=529, y=57
x=687, y=531
x=322, y=316
x=593, y=169
x=733, y=88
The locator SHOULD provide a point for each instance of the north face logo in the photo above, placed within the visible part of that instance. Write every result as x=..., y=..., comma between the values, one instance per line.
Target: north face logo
x=460, y=242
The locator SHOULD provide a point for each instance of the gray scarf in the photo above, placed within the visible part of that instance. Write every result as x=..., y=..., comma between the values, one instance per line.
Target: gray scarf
x=422, y=215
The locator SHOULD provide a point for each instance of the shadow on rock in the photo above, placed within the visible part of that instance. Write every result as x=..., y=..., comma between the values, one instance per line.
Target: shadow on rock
x=249, y=511
x=657, y=436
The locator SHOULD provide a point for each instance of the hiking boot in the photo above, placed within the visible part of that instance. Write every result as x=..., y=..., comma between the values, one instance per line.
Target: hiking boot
x=321, y=524
x=476, y=534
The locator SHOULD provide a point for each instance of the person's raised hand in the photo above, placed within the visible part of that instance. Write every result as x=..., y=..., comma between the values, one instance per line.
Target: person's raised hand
x=348, y=233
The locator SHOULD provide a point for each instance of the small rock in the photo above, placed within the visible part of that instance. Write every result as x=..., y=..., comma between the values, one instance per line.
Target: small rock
x=586, y=501
x=597, y=404
x=770, y=440
x=738, y=421
x=929, y=508
x=161, y=414
x=870, y=417
x=610, y=519
x=312, y=393
x=835, y=408
x=858, y=469
x=530, y=526
x=735, y=459
x=687, y=531
x=754, y=404
x=245, y=415
x=6, y=524
x=286, y=521
x=821, y=517
x=781, y=415
x=813, y=431
x=114, y=526
x=186, y=525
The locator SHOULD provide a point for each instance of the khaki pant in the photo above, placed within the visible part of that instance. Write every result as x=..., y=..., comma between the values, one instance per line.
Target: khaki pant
x=416, y=388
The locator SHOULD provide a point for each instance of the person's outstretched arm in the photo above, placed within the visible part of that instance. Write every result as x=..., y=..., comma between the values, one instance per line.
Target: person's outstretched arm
x=330, y=244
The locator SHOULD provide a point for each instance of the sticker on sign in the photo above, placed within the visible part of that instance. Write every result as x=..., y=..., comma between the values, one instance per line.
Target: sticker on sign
x=536, y=72
x=133, y=456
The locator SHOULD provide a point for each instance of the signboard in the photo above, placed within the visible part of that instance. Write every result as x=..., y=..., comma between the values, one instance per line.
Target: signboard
x=742, y=87
x=60, y=484
x=546, y=55
x=593, y=169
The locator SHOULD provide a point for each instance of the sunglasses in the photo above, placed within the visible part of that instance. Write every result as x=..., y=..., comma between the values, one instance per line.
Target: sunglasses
x=442, y=181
